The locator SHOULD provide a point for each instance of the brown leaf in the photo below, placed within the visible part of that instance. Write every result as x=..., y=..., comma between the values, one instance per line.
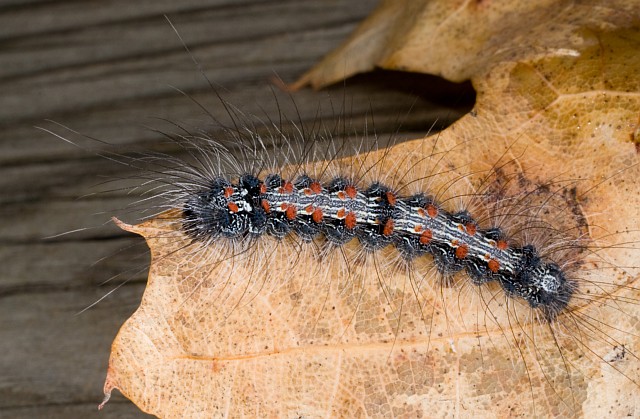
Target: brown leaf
x=461, y=40
x=296, y=333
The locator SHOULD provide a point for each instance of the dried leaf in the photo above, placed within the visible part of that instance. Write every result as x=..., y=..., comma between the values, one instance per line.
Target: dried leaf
x=462, y=40
x=299, y=334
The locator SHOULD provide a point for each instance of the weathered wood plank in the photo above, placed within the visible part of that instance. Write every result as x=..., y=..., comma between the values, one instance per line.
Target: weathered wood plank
x=53, y=359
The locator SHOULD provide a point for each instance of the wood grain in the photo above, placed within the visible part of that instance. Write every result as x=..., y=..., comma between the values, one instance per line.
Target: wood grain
x=109, y=70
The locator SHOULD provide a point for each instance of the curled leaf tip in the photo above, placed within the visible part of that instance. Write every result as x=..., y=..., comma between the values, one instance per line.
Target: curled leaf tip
x=122, y=224
x=107, y=396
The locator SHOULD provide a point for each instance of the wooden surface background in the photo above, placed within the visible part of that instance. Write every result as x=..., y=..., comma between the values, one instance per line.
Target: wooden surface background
x=110, y=69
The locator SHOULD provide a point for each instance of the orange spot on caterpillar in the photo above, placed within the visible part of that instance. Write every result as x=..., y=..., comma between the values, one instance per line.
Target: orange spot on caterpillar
x=502, y=244
x=233, y=207
x=471, y=229
x=417, y=228
x=263, y=188
x=317, y=215
x=342, y=195
x=421, y=212
x=462, y=251
x=350, y=221
x=493, y=265
x=265, y=205
x=228, y=191
x=315, y=187
x=351, y=191
x=291, y=212
x=341, y=213
x=432, y=211
x=288, y=187
x=388, y=227
x=391, y=198
x=426, y=236
x=309, y=209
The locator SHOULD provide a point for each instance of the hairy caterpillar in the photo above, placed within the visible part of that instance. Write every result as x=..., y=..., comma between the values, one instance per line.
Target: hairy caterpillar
x=549, y=349
x=250, y=207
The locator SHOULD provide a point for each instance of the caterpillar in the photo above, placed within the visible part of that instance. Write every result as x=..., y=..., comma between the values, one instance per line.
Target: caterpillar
x=247, y=224
x=377, y=217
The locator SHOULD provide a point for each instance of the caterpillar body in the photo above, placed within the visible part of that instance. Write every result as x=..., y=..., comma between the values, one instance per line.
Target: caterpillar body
x=377, y=217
